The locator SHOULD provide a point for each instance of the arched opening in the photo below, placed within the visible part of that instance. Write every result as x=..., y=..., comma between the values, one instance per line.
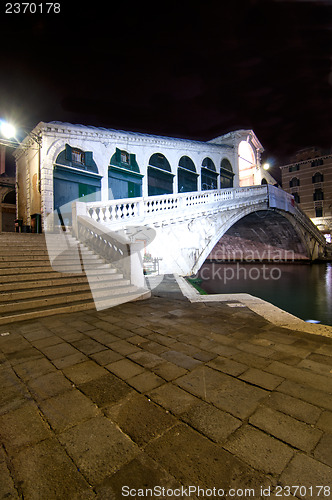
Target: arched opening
x=187, y=175
x=260, y=236
x=124, y=178
x=226, y=174
x=264, y=181
x=8, y=212
x=160, y=177
x=295, y=181
x=10, y=198
x=247, y=164
x=209, y=176
x=75, y=176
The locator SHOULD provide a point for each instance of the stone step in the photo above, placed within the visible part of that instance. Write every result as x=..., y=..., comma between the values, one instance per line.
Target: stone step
x=62, y=298
x=84, y=305
x=59, y=279
x=27, y=277
x=7, y=297
x=43, y=268
x=30, y=287
x=43, y=262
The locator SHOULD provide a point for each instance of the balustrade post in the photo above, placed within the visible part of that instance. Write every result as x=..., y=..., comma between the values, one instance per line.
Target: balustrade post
x=78, y=208
x=136, y=264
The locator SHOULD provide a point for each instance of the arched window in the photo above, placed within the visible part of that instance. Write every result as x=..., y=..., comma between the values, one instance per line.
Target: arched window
x=160, y=177
x=263, y=181
x=226, y=174
x=187, y=175
x=124, y=178
x=317, y=177
x=10, y=198
x=247, y=164
x=75, y=176
x=209, y=176
x=294, y=182
x=76, y=158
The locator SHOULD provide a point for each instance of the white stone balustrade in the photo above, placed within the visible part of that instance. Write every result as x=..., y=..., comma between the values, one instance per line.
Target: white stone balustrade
x=117, y=213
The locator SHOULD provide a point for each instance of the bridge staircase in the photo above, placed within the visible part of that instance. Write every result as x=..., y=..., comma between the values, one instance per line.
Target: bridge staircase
x=31, y=288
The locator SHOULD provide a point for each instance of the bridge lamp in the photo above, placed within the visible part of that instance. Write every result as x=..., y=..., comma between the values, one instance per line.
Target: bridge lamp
x=266, y=166
x=8, y=130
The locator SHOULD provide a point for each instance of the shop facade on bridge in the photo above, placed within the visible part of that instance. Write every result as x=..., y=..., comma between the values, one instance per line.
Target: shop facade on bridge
x=59, y=163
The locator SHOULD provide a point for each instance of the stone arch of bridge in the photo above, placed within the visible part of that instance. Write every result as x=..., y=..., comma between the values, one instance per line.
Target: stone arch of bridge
x=278, y=218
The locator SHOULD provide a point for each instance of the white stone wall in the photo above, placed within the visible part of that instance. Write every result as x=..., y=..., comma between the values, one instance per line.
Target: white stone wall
x=103, y=143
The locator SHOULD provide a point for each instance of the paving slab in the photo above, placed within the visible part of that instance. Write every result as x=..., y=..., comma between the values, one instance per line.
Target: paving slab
x=49, y=385
x=310, y=473
x=325, y=421
x=194, y=460
x=68, y=409
x=173, y=398
x=44, y=470
x=105, y=389
x=304, y=392
x=135, y=477
x=260, y=450
x=227, y=393
x=23, y=426
x=125, y=368
x=215, y=424
x=261, y=378
x=180, y=359
x=294, y=407
x=323, y=451
x=140, y=418
x=286, y=428
x=162, y=391
x=98, y=448
x=84, y=372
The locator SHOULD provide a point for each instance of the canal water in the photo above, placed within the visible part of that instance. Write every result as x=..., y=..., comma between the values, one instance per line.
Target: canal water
x=304, y=290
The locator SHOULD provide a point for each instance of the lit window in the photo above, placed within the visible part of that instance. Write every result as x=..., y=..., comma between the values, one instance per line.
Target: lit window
x=77, y=156
x=124, y=157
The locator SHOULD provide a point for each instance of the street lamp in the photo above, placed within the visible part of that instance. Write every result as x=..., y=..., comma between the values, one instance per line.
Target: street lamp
x=266, y=166
x=8, y=130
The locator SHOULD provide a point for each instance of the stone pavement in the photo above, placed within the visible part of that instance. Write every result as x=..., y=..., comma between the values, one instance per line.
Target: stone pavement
x=164, y=393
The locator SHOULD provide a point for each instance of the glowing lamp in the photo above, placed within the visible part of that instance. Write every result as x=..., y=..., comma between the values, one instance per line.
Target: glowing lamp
x=7, y=130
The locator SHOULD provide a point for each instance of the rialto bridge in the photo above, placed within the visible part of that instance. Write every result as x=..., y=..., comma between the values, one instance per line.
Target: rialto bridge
x=135, y=199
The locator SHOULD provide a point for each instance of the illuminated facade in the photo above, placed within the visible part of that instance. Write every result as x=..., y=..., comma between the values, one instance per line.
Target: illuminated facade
x=309, y=179
x=72, y=162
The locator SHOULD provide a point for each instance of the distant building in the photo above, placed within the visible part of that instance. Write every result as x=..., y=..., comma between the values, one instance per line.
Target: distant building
x=58, y=163
x=309, y=179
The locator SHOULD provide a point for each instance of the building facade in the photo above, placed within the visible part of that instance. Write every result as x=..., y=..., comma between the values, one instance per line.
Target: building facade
x=58, y=163
x=309, y=179
x=7, y=195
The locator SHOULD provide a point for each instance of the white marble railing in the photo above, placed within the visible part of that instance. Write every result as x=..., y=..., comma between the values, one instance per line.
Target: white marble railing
x=169, y=206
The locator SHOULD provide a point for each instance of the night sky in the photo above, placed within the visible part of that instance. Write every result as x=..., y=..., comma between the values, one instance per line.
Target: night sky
x=192, y=70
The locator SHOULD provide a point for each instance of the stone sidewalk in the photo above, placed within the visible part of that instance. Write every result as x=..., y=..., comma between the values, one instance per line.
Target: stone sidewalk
x=164, y=393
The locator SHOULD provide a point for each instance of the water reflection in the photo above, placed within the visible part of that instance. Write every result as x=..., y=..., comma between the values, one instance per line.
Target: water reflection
x=302, y=289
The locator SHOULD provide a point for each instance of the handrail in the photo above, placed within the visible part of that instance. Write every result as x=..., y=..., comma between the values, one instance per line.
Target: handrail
x=118, y=212
x=113, y=247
